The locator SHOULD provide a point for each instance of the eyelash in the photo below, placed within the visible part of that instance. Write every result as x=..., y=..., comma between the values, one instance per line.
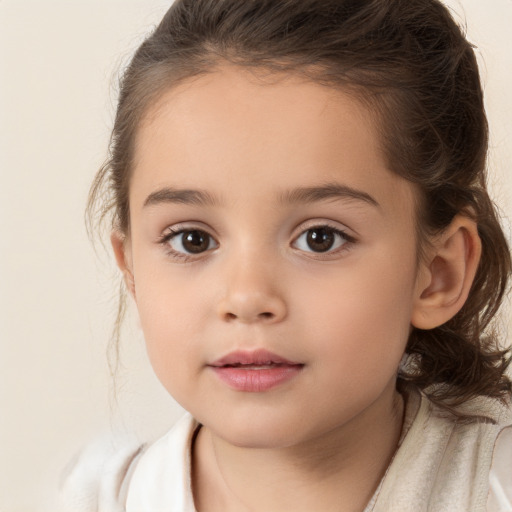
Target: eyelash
x=348, y=241
x=172, y=233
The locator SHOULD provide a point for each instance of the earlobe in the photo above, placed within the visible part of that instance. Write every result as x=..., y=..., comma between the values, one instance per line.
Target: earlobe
x=445, y=279
x=123, y=256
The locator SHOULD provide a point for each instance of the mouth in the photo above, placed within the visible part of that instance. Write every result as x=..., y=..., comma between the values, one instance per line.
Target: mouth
x=255, y=358
x=255, y=371
x=263, y=366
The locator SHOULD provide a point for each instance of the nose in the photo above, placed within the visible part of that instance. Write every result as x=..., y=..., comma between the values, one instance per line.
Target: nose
x=251, y=294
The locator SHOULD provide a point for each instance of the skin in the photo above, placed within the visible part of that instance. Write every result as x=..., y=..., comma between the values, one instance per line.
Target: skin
x=326, y=436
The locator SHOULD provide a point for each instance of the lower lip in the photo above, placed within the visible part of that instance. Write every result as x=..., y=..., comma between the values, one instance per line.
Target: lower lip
x=256, y=380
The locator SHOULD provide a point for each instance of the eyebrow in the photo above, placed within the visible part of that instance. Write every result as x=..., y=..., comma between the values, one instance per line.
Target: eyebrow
x=183, y=196
x=304, y=195
x=300, y=195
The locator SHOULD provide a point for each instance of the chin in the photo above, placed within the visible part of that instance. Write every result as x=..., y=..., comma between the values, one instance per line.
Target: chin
x=261, y=439
x=268, y=432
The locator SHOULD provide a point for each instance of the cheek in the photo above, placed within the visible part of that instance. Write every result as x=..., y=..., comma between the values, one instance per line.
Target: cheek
x=169, y=301
x=360, y=318
x=170, y=317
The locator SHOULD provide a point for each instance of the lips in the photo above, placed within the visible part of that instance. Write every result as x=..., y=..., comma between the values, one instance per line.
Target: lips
x=255, y=371
x=256, y=357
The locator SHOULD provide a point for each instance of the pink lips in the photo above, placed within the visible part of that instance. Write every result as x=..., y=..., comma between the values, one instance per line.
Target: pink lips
x=254, y=371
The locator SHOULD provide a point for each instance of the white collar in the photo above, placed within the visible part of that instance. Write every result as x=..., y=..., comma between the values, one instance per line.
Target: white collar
x=161, y=481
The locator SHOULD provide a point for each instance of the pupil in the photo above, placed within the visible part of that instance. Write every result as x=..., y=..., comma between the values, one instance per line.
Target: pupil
x=320, y=239
x=195, y=241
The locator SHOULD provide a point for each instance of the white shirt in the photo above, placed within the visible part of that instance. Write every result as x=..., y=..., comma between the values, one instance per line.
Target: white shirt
x=441, y=465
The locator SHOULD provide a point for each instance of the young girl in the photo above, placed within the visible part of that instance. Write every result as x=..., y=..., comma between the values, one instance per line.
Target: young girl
x=300, y=214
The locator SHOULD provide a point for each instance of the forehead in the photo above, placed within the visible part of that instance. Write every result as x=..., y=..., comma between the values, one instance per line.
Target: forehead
x=260, y=135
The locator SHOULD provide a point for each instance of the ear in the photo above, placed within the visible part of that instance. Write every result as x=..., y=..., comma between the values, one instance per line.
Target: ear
x=122, y=252
x=445, y=279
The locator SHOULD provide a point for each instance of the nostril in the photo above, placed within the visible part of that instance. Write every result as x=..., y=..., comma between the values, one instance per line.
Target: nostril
x=267, y=315
x=249, y=309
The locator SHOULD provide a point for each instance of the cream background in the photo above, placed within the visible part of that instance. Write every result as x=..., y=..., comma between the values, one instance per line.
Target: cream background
x=58, y=61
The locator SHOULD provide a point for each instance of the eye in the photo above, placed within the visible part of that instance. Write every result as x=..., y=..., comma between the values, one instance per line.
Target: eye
x=321, y=239
x=189, y=241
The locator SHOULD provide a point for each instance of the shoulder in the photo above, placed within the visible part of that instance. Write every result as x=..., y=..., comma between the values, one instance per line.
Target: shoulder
x=119, y=474
x=93, y=481
x=483, y=435
x=447, y=458
x=500, y=477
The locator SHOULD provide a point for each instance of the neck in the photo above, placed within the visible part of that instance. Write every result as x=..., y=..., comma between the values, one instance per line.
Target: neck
x=343, y=466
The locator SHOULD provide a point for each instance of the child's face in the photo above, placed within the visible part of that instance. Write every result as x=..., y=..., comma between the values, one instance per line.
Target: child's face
x=269, y=270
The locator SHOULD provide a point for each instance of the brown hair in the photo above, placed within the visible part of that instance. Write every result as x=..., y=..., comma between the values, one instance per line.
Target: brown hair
x=411, y=64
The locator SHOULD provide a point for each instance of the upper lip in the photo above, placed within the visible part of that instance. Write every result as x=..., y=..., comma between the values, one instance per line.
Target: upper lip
x=255, y=357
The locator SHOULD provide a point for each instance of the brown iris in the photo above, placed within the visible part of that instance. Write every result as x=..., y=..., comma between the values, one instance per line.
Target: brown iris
x=320, y=239
x=195, y=241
